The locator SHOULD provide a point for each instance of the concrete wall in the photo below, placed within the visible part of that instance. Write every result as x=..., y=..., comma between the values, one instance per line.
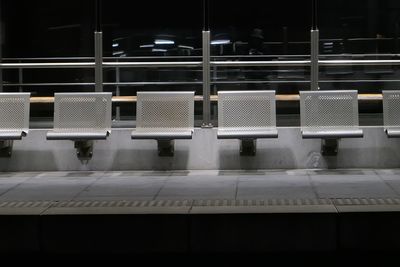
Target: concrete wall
x=119, y=152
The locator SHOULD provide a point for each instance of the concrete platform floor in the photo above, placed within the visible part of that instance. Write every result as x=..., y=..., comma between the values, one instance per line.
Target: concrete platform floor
x=201, y=212
x=199, y=185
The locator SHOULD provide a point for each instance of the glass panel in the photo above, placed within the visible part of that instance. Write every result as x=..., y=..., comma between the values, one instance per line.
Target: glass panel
x=261, y=31
x=44, y=31
x=146, y=31
x=360, y=30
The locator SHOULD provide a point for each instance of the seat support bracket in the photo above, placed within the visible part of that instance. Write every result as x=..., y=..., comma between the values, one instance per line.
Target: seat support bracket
x=6, y=147
x=166, y=148
x=329, y=147
x=248, y=147
x=84, y=149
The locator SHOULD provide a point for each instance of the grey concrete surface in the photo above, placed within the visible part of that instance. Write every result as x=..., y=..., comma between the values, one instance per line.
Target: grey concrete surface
x=203, y=152
x=199, y=185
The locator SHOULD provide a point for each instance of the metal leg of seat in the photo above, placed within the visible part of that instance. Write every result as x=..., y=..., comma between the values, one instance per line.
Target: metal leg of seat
x=84, y=150
x=329, y=147
x=248, y=147
x=6, y=148
x=166, y=148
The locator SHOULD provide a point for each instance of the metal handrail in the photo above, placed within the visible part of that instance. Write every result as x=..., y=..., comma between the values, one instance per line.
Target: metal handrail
x=58, y=65
x=335, y=63
x=152, y=64
x=294, y=63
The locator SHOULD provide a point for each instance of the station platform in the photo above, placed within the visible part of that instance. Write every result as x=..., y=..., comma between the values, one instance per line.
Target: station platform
x=274, y=211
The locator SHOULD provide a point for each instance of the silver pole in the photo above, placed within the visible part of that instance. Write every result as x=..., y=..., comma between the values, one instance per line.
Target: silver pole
x=98, y=50
x=118, y=93
x=21, y=78
x=206, y=80
x=1, y=49
x=314, y=60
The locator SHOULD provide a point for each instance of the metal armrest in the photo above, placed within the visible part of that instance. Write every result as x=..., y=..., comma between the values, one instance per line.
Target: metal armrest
x=162, y=135
x=82, y=136
x=332, y=134
x=393, y=133
x=12, y=135
x=247, y=134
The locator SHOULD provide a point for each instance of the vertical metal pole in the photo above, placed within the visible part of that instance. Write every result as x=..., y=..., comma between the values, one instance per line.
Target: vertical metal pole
x=314, y=49
x=314, y=60
x=1, y=46
x=118, y=93
x=396, y=36
x=206, y=66
x=206, y=80
x=98, y=50
x=98, y=47
x=21, y=78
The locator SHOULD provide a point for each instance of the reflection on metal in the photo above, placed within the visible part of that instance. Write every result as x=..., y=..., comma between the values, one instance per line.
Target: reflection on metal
x=335, y=63
x=314, y=59
x=188, y=64
x=206, y=80
x=98, y=50
x=197, y=64
x=233, y=82
x=297, y=63
x=58, y=65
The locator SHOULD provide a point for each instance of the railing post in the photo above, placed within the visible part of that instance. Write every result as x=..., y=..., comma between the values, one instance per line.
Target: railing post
x=206, y=81
x=98, y=40
x=118, y=93
x=1, y=47
x=21, y=79
x=314, y=49
x=98, y=47
x=314, y=60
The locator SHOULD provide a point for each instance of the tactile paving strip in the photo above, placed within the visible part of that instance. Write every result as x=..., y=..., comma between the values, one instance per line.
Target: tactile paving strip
x=158, y=205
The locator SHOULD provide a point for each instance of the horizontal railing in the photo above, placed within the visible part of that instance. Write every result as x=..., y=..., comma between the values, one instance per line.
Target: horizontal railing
x=214, y=98
x=197, y=64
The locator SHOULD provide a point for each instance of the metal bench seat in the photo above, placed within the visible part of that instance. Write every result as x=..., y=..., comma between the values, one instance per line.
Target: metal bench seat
x=12, y=135
x=330, y=116
x=334, y=133
x=162, y=134
x=165, y=117
x=14, y=120
x=247, y=116
x=82, y=118
x=78, y=135
x=391, y=113
x=246, y=134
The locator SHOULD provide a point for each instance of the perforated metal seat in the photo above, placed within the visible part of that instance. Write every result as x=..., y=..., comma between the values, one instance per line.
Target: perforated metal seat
x=391, y=113
x=14, y=115
x=246, y=115
x=81, y=116
x=164, y=115
x=329, y=114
